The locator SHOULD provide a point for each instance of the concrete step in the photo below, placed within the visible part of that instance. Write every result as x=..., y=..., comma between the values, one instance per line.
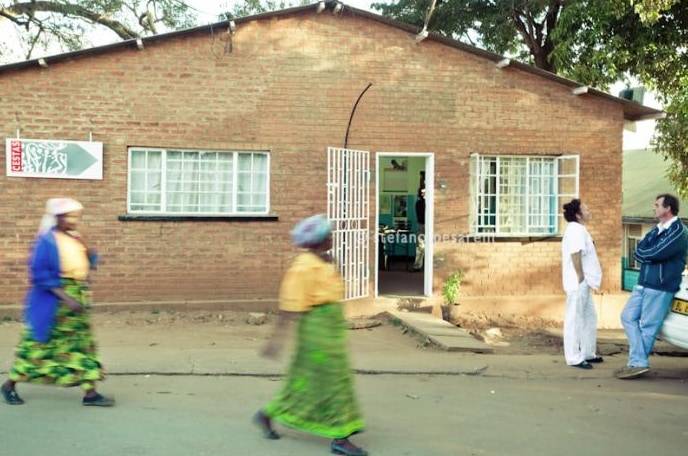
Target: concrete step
x=441, y=333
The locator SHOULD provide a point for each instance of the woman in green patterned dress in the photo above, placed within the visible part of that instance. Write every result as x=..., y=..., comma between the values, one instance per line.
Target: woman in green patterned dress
x=57, y=345
x=318, y=393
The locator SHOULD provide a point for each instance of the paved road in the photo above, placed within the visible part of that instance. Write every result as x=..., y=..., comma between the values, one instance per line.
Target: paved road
x=190, y=389
x=419, y=415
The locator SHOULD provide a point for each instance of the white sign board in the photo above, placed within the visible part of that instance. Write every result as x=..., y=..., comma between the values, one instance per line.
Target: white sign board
x=54, y=159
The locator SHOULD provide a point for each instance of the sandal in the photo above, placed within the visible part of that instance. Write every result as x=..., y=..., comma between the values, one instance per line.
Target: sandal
x=98, y=401
x=265, y=425
x=11, y=396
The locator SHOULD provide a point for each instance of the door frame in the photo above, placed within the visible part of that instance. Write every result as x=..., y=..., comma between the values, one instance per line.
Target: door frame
x=429, y=215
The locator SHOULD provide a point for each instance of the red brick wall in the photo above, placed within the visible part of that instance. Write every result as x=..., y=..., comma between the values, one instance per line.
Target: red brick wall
x=288, y=86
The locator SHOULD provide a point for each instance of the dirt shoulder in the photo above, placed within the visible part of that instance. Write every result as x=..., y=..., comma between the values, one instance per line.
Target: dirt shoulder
x=511, y=335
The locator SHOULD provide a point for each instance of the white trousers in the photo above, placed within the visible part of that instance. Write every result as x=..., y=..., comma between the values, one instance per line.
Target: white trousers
x=420, y=247
x=580, y=326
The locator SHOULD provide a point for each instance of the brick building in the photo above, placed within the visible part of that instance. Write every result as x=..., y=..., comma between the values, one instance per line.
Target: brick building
x=215, y=142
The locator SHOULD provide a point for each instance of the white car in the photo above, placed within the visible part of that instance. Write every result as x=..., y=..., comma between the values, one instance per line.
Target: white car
x=675, y=327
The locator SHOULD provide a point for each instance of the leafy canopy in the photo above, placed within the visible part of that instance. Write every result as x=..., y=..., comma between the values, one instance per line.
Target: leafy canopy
x=41, y=26
x=595, y=42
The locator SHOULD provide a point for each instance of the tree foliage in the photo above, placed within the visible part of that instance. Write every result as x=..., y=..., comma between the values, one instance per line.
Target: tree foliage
x=518, y=28
x=595, y=42
x=604, y=40
x=44, y=25
x=36, y=27
x=251, y=7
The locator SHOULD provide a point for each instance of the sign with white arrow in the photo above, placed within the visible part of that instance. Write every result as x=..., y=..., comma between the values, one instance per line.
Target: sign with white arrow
x=54, y=159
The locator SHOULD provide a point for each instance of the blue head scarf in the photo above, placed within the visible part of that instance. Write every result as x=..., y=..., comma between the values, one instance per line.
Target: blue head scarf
x=311, y=231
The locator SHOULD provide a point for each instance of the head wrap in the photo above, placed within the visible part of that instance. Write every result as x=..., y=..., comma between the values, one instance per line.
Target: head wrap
x=311, y=231
x=55, y=207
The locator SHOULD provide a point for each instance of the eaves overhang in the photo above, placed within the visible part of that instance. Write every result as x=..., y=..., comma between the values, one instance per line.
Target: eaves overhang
x=632, y=110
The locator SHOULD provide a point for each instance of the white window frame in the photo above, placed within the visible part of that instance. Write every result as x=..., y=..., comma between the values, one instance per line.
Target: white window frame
x=160, y=192
x=534, y=210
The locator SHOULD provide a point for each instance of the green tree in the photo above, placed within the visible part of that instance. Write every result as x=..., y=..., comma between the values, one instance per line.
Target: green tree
x=35, y=26
x=651, y=10
x=251, y=7
x=42, y=25
x=521, y=29
x=595, y=42
x=602, y=41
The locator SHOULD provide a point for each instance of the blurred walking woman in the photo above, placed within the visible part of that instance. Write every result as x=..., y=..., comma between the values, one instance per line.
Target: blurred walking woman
x=317, y=395
x=57, y=346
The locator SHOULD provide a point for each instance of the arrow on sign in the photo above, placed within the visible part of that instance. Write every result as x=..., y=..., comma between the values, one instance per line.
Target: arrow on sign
x=78, y=159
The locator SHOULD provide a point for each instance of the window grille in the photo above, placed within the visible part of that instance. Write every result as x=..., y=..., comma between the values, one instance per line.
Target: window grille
x=520, y=195
x=632, y=243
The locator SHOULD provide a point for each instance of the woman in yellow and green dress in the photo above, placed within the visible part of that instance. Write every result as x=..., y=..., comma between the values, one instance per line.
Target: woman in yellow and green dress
x=57, y=345
x=318, y=393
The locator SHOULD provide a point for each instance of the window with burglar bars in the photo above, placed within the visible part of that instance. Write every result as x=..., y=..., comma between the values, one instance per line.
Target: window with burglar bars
x=634, y=234
x=193, y=182
x=520, y=195
x=630, y=253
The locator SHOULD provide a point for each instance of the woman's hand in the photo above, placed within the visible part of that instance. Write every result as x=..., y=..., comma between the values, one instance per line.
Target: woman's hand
x=91, y=252
x=71, y=302
x=74, y=304
x=274, y=346
x=270, y=351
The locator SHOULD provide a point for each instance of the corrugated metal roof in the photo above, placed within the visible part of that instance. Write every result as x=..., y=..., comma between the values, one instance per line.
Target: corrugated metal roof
x=632, y=110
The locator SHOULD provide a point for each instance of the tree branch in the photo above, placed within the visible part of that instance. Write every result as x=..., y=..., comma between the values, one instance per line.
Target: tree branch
x=24, y=14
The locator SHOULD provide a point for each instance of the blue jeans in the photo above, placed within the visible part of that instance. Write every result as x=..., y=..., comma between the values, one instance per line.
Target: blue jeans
x=642, y=318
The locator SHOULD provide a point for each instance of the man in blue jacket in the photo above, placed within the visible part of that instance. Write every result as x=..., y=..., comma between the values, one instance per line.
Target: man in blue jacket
x=662, y=258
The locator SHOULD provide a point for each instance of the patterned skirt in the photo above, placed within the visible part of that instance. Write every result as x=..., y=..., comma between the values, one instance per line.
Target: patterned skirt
x=317, y=395
x=70, y=357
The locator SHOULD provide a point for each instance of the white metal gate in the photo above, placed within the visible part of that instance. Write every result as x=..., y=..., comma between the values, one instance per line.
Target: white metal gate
x=348, y=207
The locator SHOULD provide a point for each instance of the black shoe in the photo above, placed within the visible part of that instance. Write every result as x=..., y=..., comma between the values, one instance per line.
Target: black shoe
x=98, y=401
x=265, y=425
x=11, y=396
x=597, y=359
x=583, y=365
x=347, y=450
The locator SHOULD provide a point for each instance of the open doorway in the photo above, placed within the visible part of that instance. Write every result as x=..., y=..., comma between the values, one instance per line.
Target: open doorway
x=404, y=180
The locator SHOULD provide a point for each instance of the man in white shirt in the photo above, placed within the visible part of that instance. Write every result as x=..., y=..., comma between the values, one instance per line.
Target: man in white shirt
x=581, y=273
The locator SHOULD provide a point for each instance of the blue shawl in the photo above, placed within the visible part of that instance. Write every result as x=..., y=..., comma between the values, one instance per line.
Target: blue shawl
x=41, y=303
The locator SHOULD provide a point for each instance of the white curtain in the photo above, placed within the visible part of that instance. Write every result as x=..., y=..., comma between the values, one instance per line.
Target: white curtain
x=145, y=191
x=198, y=182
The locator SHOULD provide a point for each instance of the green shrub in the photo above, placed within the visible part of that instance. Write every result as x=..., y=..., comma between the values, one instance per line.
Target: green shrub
x=452, y=287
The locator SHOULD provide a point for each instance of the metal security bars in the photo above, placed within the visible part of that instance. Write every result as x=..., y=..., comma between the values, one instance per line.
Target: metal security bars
x=348, y=207
x=520, y=195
